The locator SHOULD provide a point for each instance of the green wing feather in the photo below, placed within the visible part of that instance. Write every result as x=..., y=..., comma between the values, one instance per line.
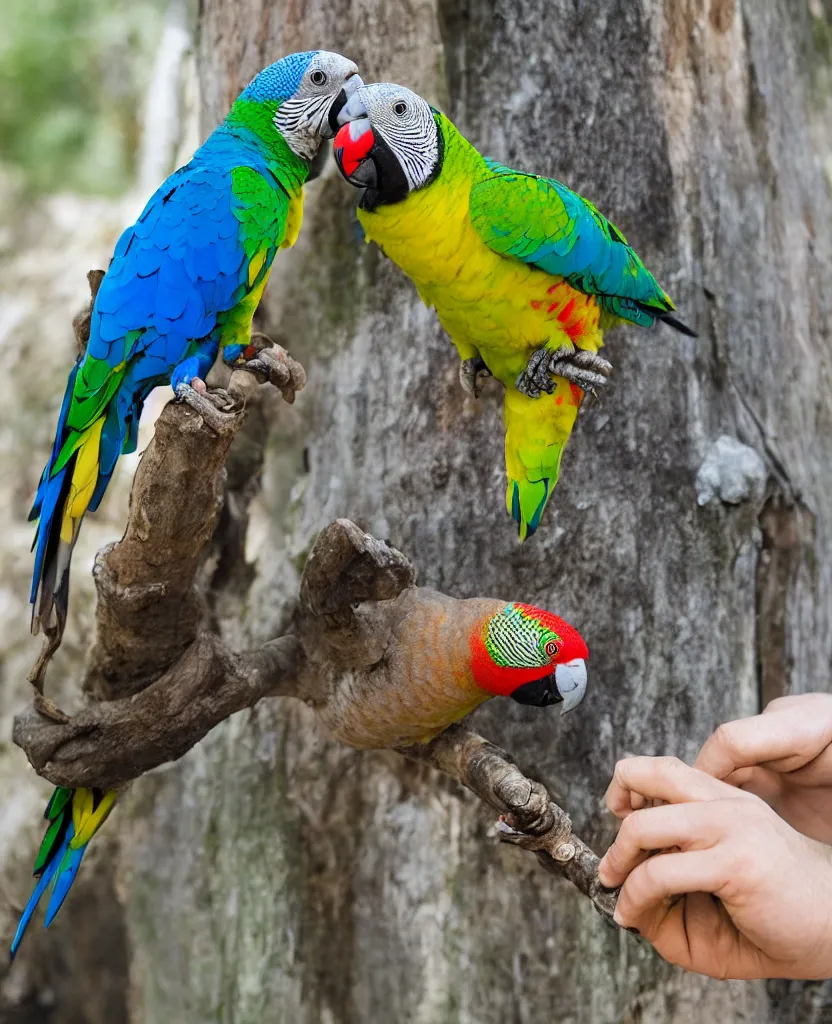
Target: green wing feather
x=59, y=813
x=542, y=222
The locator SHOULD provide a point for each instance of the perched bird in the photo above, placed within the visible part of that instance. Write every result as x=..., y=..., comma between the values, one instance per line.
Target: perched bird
x=442, y=658
x=183, y=284
x=524, y=274
x=390, y=664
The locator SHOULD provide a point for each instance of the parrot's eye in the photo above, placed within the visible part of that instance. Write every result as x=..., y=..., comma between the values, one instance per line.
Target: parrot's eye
x=318, y=78
x=551, y=648
x=400, y=107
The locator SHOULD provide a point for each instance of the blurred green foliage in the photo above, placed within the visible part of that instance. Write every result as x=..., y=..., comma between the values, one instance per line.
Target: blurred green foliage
x=72, y=77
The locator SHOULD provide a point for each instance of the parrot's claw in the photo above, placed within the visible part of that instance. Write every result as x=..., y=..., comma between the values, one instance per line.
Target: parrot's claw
x=535, y=379
x=269, y=362
x=221, y=399
x=470, y=373
x=216, y=407
x=275, y=365
x=586, y=369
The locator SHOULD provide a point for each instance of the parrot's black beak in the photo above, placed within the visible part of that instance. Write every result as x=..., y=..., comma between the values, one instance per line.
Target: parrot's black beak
x=365, y=175
x=541, y=693
x=566, y=685
x=337, y=115
x=365, y=159
x=338, y=105
x=388, y=182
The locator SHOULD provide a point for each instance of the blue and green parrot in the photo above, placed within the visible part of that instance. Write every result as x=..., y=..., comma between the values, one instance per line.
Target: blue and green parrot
x=182, y=286
x=525, y=275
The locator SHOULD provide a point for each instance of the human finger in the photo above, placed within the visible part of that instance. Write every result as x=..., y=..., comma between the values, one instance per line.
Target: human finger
x=686, y=826
x=642, y=902
x=761, y=782
x=661, y=778
x=784, y=738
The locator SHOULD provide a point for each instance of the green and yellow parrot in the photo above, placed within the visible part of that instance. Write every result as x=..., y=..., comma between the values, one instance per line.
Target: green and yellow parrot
x=524, y=274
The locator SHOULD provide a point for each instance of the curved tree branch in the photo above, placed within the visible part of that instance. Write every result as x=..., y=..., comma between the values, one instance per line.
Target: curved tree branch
x=528, y=817
x=109, y=743
x=158, y=680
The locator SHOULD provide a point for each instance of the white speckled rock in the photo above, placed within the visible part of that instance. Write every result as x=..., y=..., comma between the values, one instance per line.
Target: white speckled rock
x=731, y=473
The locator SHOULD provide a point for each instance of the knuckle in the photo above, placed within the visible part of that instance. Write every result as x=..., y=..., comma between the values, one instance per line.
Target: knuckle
x=734, y=816
x=753, y=808
x=648, y=875
x=627, y=834
x=621, y=779
x=779, y=702
x=612, y=858
x=725, y=737
x=616, y=797
x=740, y=870
x=624, y=765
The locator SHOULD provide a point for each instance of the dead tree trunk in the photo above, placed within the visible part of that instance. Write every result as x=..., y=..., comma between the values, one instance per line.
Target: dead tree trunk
x=273, y=875
x=332, y=886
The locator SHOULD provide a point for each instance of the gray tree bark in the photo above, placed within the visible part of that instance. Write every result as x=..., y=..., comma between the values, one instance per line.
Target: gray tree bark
x=274, y=875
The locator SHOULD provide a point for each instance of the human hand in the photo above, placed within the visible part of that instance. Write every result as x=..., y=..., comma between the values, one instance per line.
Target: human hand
x=735, y=892
x=783, y=756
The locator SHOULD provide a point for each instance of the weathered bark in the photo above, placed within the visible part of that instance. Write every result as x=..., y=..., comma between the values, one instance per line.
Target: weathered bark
x=273, y=875
x=700, y=129
x=355, y=637
x=347, y=887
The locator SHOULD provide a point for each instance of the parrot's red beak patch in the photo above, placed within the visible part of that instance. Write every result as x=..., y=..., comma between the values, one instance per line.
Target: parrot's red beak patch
x=352, y=145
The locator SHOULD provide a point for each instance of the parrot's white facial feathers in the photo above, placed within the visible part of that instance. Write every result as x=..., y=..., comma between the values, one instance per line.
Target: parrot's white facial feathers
x=406, y=123
x=304, y=119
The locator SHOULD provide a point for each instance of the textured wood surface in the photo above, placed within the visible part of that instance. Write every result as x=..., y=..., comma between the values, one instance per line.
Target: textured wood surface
x=348, y=887
x=274, y=875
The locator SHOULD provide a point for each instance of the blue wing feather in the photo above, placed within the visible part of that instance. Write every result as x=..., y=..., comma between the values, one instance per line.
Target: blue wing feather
x=173, y=276
x=186, y=236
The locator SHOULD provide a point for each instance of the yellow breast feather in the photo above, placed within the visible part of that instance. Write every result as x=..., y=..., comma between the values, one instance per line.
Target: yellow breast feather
x=500, y=307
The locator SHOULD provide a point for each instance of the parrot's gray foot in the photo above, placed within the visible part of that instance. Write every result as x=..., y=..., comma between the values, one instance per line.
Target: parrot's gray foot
x=267, y=362
x=222, y=400
x=579, y=366
x=216, y=407
x=275, y=365
x=218, y=397
x=470, y=373
x=535, y=379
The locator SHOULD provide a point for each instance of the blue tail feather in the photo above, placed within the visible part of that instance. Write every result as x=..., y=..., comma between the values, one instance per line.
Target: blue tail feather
x=64, y=880
x=40, y=888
